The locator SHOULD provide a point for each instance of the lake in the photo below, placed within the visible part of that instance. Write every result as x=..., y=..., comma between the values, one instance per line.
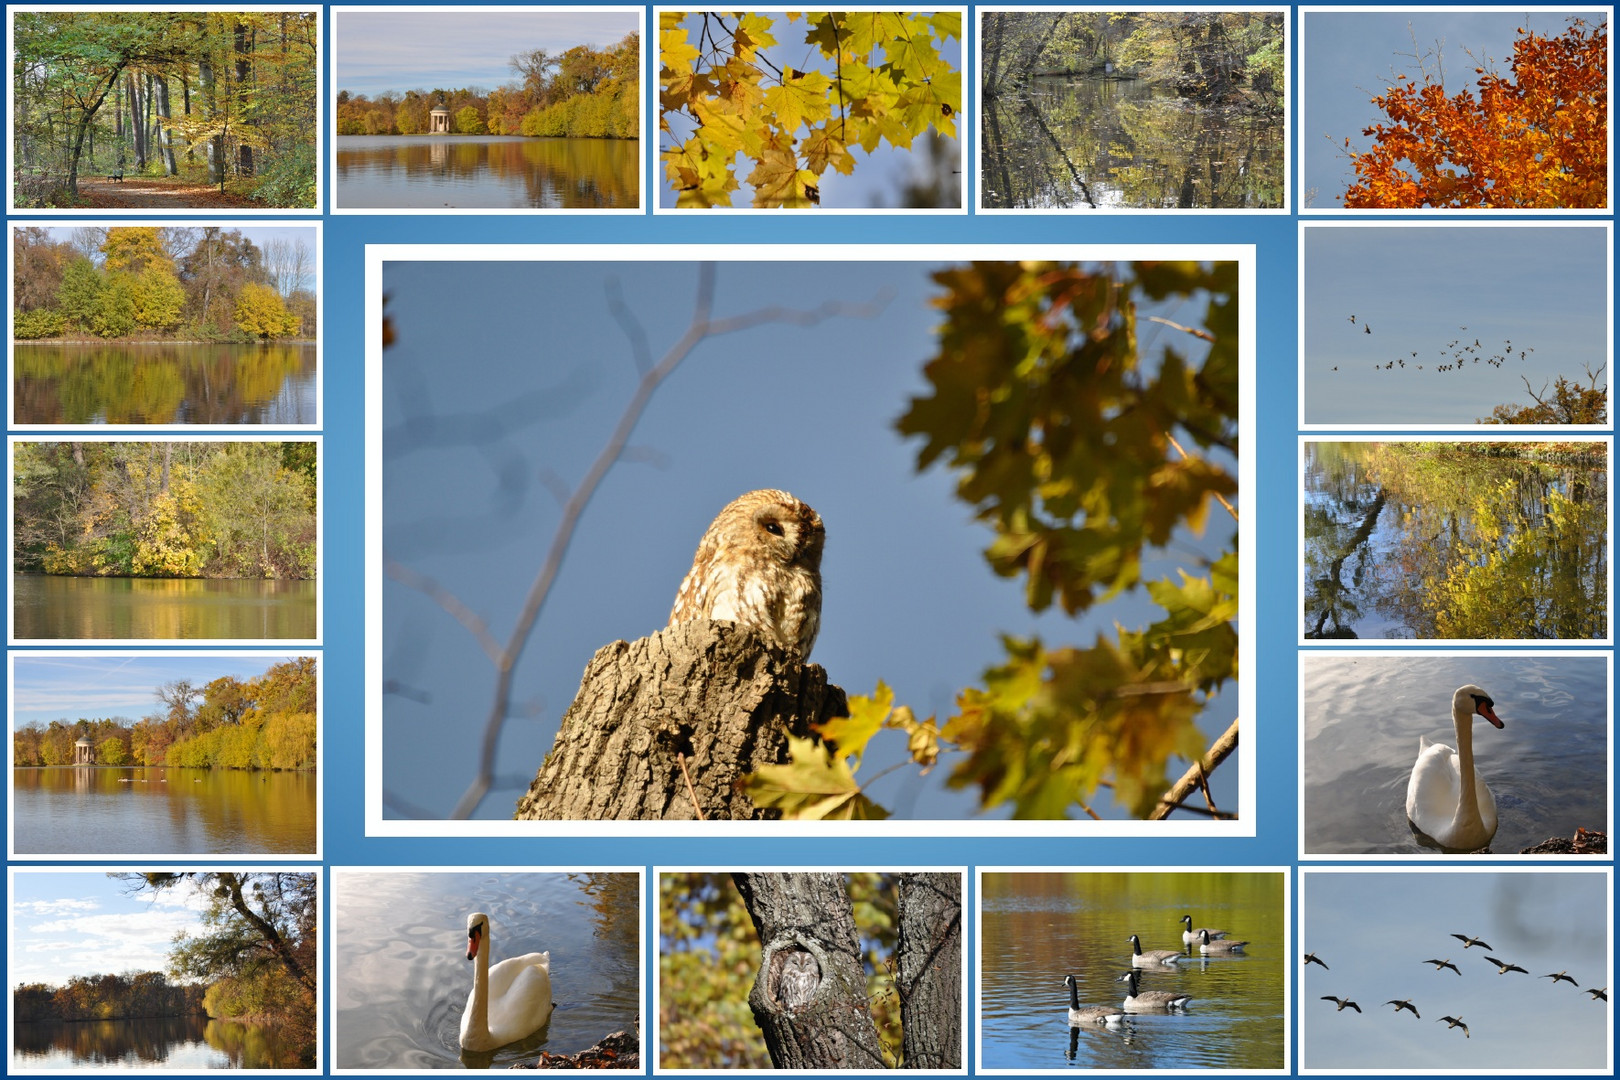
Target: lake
x=1491, y=541
x=1065, y=142
x=1547, y=766
x=156, y=810
x=401, y=976
x=122, y=382
x=176, y=1045
x=1036, y=928
x=487, y=172
x=49, y=607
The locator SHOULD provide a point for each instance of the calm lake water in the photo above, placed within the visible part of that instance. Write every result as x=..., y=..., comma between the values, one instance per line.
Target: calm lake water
x=155, y=810
x=493, y=171
x=176, y=1045
x=1424, y=541
x=1547, y=766
x=1126, y=143
x=164, y=383
x=402, y=976
x=1037, y=928
x=170, y=609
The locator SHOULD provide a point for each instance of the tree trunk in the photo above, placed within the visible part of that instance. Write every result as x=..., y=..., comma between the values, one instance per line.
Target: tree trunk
x=928, y=956
x=700, y=700
x=816, y=1018
x=164, y=136
x=244, y=73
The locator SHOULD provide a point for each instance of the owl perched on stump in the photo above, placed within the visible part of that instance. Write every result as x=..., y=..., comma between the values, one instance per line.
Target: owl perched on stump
x=759, y=565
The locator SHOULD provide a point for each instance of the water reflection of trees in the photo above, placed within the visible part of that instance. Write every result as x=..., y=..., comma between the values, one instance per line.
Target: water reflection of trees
x=160, y=384
x=109, y=1042
x=552, y=173
x=1497, y=541
x=1070, y=142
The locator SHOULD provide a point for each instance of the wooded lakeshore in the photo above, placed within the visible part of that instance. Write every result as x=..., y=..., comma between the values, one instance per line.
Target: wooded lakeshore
x=185, y=98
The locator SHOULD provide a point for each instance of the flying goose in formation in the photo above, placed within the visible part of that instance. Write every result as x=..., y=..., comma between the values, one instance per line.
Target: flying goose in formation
x=1599, y=995
x=1454, y=1022
x=1091, y=1014
x=1189, y=935
x=1406, y=1004
x=1438, y=964
x=1312, y=958
x=1470, y=942
x=1207, y=945
x=1153, y=957
x=1342, y=1003
x=1150, y=1000
x=1558, y=977
x=1503, y=967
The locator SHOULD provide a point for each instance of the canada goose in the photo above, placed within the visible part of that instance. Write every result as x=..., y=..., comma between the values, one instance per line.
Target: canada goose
x=1438, y=964
x=1470, y=942
x=1445, y=799
x=1455, y=1022
x=1406, y=1004
x=1091, y=1014
x=1312, y=958
x=1152, y=958
x=1561, y=977
x=1342, y=1003
x=1150, y=1000
x=1189, y=935
x=1207, y=945
x=1597, y=994
x=1503, y=967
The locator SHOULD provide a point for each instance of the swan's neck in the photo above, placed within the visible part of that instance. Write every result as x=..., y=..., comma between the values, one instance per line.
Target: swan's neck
x=478, y=1007
x=1467, y=815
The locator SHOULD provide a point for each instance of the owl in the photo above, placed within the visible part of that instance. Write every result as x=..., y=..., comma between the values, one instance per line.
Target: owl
x=759, y=565
x=798, y=981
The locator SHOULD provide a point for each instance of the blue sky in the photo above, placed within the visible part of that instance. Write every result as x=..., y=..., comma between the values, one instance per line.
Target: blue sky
x=81, y=922
x=909, y=598
x=877, y=178
x=1375, y=930
x=1348, y=56
x=96, y=686
x=1541, y=287
x=454, y=48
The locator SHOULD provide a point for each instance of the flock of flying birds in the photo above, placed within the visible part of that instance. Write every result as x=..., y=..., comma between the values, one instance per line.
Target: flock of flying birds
x=1458, y=353
x=1503, y=967
x=1208, y=942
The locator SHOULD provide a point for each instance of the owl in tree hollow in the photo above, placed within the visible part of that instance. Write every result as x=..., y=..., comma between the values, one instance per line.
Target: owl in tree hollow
x=800, y=978
x=759, y=565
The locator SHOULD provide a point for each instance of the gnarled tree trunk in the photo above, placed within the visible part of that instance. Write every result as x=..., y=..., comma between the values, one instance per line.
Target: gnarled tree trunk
x=928, y=954
x=701, y=700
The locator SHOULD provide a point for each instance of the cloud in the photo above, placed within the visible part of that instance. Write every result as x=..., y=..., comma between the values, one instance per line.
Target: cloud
x=54, y=907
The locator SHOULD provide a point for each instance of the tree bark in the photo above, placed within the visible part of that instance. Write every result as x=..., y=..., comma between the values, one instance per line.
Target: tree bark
x=670, y=724
x=810, y=913
x=928, y=955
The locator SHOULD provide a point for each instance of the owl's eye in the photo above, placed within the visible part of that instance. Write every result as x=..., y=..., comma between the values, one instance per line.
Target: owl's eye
x=774, y=528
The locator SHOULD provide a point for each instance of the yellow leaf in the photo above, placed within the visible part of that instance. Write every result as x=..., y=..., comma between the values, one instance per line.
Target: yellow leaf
x=813, y=786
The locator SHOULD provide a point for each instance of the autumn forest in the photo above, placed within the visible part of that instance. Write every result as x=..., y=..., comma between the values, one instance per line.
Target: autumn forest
x=207, y=108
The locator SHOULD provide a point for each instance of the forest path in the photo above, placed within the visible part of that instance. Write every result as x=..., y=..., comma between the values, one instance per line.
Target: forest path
x=135, y=193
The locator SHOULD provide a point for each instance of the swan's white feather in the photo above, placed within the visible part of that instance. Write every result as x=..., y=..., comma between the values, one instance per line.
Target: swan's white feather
x=517, y=999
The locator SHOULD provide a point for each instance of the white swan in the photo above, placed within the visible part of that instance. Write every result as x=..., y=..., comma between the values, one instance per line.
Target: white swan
x=509, y=1001
x=1444, y=798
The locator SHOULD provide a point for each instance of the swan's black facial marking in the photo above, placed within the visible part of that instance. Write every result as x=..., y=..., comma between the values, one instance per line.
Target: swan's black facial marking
x=1485, y=707
x=474, y=934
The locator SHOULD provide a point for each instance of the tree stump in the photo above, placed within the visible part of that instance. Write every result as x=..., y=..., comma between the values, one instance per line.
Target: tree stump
x=711, y=693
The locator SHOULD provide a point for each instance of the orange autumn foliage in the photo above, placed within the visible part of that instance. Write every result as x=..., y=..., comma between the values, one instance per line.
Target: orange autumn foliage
x=1537, y=139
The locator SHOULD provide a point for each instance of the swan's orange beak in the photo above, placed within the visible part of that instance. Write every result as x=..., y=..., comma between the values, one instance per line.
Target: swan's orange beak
x=476, y=932
x=1484, y=709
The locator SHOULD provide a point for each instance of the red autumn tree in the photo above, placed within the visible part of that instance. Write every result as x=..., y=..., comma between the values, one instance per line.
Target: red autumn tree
x=1536, y=139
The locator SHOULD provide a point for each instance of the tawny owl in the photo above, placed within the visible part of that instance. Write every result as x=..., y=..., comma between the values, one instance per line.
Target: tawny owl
x=759, y=565
x=800, y=977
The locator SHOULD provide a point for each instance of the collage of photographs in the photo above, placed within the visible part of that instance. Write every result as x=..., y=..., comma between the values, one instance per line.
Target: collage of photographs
x=695, y=542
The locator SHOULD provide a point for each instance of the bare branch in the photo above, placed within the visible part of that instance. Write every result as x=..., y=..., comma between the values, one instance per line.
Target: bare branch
x=1195, y=778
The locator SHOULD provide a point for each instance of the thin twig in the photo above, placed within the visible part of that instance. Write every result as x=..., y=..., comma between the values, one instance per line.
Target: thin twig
x=1193, y=330
x=448, y=601
x=691, y=792
x=701, y=328
x=1194, y=777
x=1218, y=495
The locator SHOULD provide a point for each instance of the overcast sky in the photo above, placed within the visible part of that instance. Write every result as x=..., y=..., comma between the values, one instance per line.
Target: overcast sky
x=459, y=47
x=96, y=686
x=81, y=922
x=1349, y=56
